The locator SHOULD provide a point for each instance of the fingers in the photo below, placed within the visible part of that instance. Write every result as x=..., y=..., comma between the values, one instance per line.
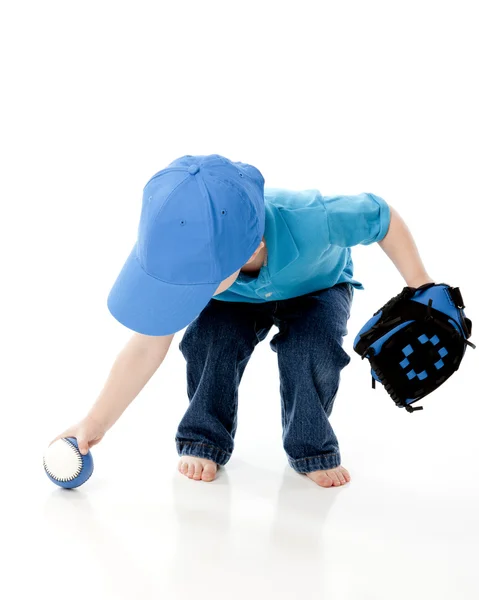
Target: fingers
x=86, y=435
x=65, y=434
x=96, y=441
x=82, y=441
x=83, y=444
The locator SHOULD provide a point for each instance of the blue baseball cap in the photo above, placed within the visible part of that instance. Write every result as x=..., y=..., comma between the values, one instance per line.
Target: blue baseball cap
x=201, y=220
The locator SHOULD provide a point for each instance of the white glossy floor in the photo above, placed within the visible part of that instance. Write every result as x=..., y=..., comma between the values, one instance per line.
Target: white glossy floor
x=407, y=525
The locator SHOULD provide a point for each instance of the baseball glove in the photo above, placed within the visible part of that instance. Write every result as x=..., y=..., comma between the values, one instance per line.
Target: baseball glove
x=416, y=341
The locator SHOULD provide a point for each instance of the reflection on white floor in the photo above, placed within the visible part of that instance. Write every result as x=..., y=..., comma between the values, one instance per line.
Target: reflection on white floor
x=255, y=532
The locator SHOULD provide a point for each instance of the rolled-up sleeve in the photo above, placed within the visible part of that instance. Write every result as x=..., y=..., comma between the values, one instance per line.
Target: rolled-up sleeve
x=361, y=219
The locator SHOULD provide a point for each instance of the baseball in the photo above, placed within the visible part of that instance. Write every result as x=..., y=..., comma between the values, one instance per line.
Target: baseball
x=65, y=465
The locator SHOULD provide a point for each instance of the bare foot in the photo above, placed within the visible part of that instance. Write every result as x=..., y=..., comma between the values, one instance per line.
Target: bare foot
x=199, y=469
x=331, y=477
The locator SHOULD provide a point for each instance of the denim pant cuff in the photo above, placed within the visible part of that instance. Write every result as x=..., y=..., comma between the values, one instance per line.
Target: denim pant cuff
x=316, y=463
x=202, y=450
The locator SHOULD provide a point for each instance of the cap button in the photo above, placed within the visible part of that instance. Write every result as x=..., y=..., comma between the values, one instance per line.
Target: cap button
x=193, y=169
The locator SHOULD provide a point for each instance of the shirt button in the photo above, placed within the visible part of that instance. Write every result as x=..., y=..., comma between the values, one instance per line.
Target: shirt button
x=268, y=294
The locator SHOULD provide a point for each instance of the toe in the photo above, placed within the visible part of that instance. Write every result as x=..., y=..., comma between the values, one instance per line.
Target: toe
x=198, y=470
x=325, y=480
x=346, y=474
x=184, y=467
x=321, y=478
x=334, y=477
x=340, y=474
x=209, y=472
x=191, y=468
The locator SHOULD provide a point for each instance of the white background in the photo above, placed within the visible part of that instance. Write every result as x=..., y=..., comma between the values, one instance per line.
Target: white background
x=345, y=97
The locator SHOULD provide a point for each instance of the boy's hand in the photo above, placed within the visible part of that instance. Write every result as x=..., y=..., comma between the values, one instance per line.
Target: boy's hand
x=87, y=432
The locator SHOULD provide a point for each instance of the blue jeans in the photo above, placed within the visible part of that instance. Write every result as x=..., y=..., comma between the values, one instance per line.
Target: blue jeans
x=217, y=346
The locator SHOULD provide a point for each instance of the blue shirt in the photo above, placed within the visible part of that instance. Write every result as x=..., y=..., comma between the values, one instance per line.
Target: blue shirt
x=309, y=239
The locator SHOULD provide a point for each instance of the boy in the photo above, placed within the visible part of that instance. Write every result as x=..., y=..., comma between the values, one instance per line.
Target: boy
x=219, y=254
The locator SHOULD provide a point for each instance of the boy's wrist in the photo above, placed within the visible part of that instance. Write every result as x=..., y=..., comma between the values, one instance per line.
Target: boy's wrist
x=419, y=280
x=96, y=418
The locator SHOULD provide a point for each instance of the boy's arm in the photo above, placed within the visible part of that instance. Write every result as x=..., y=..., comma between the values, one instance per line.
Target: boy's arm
x=400, y=247
x=130, y=372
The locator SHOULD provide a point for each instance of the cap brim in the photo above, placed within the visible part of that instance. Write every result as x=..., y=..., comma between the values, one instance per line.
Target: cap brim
x=152, y=307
